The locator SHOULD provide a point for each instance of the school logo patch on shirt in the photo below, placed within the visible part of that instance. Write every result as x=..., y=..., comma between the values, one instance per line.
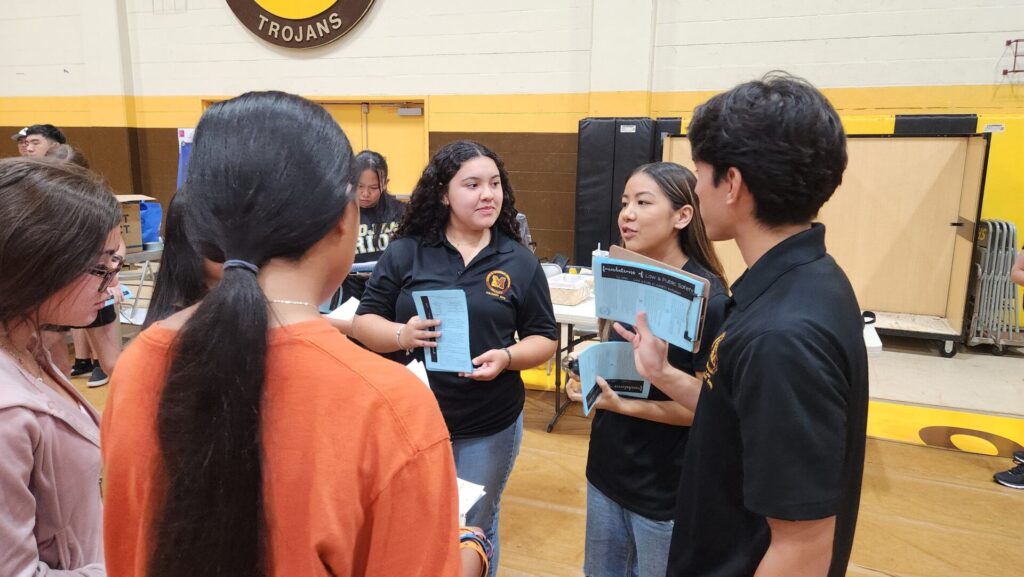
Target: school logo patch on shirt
x=713, y=361
x=498, y=283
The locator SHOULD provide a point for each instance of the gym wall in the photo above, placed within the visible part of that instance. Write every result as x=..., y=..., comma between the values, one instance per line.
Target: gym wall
x=120, y=75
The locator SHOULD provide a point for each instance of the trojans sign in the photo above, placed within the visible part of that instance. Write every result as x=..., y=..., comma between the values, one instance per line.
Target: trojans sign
x=299, y=23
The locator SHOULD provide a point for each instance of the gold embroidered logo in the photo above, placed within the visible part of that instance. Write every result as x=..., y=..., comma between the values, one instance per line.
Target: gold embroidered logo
x=498, y=282
x=712, y=367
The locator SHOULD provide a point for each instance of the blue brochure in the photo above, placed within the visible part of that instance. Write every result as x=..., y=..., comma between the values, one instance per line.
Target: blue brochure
x=672, y=299
x=612, y=361
x=451, y=355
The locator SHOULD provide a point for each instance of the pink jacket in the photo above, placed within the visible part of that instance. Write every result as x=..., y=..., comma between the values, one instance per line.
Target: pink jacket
x=51, y=516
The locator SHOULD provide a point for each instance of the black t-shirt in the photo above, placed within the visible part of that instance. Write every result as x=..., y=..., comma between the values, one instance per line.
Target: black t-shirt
x=506, y=293
x=636, y=462
x=376, y=227
x=780, y=426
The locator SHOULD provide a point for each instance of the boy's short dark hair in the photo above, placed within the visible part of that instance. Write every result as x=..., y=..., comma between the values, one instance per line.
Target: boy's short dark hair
x=785, y=138
x=47, y=131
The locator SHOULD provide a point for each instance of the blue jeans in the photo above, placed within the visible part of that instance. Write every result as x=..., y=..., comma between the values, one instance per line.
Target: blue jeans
x=621, y=543
x=488, y=461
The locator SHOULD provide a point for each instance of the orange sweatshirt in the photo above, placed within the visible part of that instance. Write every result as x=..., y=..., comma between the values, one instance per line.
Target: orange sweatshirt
x=358, y=472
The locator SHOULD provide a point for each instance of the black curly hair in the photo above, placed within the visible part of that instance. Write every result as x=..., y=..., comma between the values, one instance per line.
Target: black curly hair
x=427, y=217
x=784, y=137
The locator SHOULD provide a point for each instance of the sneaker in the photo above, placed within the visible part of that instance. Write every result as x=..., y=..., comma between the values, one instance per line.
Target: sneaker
x=1014, y=478
x=1018, y=457
x=98, y=378
x=81, y=367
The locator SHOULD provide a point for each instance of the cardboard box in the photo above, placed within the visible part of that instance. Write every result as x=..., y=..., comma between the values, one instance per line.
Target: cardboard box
x=131, y=223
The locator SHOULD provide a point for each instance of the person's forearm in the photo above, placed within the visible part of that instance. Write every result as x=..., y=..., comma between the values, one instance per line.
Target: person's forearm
x=530, y=352
x=376, y=333
x=798, y=548
x=344, y=326
x=681, y=387
x=668, y=412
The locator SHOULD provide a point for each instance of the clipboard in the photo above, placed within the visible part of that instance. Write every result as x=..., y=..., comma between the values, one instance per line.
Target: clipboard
x=621, y=253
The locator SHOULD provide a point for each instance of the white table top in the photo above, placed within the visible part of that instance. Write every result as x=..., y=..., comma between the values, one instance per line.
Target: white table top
x=582, y=315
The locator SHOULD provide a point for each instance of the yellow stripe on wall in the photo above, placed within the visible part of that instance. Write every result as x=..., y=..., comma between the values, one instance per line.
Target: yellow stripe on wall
x=863, y=111
x=513, y=112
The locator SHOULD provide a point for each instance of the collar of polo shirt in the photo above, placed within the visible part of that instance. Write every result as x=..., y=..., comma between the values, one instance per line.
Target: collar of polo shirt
x=801, y=248
x=500, y=241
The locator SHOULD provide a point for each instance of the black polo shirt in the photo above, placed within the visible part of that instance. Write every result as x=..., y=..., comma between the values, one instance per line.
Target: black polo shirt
x=636, y=462
x=506, y=293
x=779, y=429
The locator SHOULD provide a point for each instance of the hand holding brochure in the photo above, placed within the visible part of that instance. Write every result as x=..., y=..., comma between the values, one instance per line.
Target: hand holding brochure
x=612, y=361
x=451, y=355
x=673, y=300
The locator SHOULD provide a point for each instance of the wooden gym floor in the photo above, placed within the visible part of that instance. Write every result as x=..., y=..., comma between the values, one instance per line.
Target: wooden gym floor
x=925, y=512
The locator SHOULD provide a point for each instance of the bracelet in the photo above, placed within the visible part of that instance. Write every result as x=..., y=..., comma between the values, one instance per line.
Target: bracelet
x=473, y=539
x=475, y=547
x=398, y=336
x=509, y=353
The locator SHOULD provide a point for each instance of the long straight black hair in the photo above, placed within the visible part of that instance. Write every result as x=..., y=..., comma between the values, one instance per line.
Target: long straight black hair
x=268, y=178
x=181, y=281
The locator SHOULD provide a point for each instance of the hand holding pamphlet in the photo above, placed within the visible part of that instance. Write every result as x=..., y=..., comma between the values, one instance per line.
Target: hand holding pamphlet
x=612, y=361
x=626, y=283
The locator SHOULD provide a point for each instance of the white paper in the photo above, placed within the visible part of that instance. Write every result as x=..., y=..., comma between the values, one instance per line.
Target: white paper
x=346, y=311
x=420, y=370
x=469, y=494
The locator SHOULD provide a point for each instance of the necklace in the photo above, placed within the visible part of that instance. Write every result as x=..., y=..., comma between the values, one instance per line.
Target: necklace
x=288, y=302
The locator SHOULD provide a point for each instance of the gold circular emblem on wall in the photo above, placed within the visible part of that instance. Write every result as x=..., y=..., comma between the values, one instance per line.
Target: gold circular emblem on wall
x=299, y=23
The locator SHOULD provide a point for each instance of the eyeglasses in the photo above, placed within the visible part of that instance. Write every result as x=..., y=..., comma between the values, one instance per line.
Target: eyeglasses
x=107, y=274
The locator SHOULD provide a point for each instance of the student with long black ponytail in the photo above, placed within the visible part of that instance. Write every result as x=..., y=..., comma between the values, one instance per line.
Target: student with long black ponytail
x=245, y=436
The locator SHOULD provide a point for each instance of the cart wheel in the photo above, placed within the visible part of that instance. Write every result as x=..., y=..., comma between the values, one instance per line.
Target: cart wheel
x=948, y=350
x=998, y=350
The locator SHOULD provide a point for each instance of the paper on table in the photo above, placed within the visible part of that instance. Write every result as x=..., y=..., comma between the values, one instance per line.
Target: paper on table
x=417, y=368
x=612, y=361
x=469, y=494
x=346, y=311
x=451, y=355
x=672, y=300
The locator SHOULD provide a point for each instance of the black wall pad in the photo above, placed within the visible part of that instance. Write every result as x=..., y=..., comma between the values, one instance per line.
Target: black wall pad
x=936, y=124
x=595, y=158
x=634, y=146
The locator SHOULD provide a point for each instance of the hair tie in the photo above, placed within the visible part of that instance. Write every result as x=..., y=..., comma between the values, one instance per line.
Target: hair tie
x=235, y=263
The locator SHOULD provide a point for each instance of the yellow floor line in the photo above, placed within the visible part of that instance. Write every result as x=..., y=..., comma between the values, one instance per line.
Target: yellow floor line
x=972, y=432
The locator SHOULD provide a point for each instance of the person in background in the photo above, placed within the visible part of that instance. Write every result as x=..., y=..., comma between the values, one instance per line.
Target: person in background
x=101, y=340
x=244, y=435
x=460, y=232
x=38, y=140
x=59, y=231
x=184, y=277
x=637, y=445
x=1014, y=478
x=379, y=216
